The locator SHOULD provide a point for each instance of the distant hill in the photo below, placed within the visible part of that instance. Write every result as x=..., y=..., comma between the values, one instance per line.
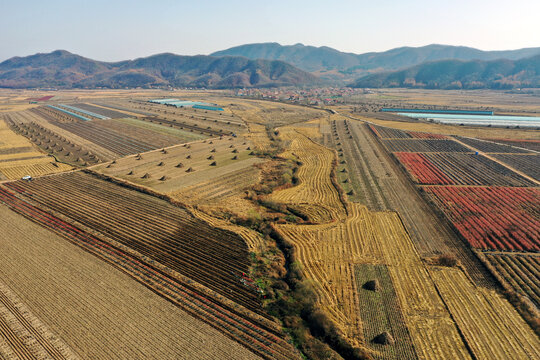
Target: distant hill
x=457, y=74
x=333, y=64
x=63, y=69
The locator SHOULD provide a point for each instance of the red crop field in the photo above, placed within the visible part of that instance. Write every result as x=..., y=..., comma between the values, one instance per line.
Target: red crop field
x=422, y=170
x=497, y=218
x=459, y=169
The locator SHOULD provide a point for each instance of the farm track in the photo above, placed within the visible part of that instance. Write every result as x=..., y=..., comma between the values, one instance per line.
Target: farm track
x=210, y=261
x=23, y=336
x=430, y=236
x=256, y=335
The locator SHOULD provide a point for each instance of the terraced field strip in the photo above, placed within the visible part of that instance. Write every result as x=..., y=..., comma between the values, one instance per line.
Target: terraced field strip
x=257, y=334
x=24, y=336
x=380, y=312
x=315, y=196
x=459, y=169
x=104, y=314
x=520, y=270
x=492, y=328
x=496, y=218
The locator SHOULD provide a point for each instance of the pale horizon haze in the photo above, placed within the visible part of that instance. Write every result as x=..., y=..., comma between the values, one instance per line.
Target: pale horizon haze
x=122, y=30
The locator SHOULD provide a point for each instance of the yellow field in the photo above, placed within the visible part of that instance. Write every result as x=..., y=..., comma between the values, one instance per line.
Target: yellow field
x=316, y=195
x=328, y=254
x=492, y=327
x=19, y=158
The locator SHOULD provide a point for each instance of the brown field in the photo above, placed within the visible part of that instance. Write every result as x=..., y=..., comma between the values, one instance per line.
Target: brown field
x=93, y=307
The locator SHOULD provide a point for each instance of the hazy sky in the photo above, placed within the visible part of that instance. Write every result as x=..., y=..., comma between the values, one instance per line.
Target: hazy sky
x=117, y=30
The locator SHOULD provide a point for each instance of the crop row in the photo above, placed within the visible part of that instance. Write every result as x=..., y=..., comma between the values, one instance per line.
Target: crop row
x=527, y=164
x=164, y=233
x=423, y=145
x=522, y=272
x=190, y=127
x=252, y=333
x=490, y=147
x=501, y=218
x=458, y=169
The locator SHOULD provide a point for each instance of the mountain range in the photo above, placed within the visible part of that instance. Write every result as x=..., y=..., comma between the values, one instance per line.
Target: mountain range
x=272, y=64
x=458, y=74
x=66, y=70
x=332, y=64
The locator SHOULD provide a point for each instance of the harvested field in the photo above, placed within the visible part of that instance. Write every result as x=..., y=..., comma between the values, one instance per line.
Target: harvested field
x=184, y=166
x=458, y=169
x=422, y=145
x=490, y=146
x=521, y=271
x=142, y=134
x=97, y=310
x=178, y=136
x=529, y=164
x=58, y=146
x=18, y=158
x=22, y=335
x=329, y=254
x=219, y=191
x=492, y=328
x=191, y=127
x=111, y=140
x=151, y=227
x=380, y=311
x=100, y=110
x=316, y=196
x=498, y=218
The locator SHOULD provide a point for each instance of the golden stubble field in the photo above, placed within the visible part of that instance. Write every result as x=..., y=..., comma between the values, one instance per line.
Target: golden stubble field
x=446, y=315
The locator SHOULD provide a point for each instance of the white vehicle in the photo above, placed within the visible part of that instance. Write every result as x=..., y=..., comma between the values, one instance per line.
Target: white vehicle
x=27, y=178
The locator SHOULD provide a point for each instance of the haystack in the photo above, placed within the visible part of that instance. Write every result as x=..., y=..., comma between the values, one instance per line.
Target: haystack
x=372, y=285
x=384, y=339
